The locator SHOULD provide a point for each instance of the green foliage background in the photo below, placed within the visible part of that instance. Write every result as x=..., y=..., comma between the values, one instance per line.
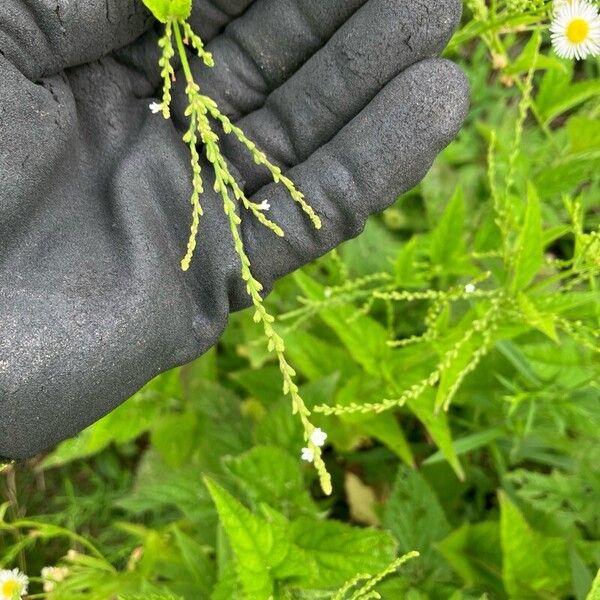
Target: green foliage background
x=452, y=355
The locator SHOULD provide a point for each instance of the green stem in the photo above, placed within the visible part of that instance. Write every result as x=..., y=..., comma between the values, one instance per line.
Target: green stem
x=185, y=64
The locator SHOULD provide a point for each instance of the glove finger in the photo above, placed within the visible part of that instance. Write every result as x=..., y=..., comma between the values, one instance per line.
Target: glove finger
x=41, y=39
x=260, y=50
x=387, y=149
x=378, y=42
x=210, y=17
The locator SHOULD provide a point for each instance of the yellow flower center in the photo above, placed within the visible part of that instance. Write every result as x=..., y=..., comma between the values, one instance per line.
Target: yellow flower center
x=578, y=31
x=10, y=587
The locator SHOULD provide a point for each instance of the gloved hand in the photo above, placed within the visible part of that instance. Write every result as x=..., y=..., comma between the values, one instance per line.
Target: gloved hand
x=94, y=189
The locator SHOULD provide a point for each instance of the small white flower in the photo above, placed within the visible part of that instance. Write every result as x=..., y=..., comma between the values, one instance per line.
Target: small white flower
x=575, y=29
x=469, y=288
x=308, y=454
x=53, y=575
x=318, y=437
x=155, y=107
x=13, y=584
x=264, y=205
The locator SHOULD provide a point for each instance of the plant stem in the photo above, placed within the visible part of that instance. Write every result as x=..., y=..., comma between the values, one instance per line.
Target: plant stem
x=185, y=63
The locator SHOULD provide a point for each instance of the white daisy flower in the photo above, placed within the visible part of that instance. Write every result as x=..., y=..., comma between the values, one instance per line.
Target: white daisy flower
x=13, y=584
x=308, y=454
x=575, y=29
x=469, y=288
x=318, y=437
x=155, y=107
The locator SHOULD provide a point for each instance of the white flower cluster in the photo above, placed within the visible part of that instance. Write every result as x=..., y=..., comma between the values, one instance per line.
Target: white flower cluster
x=575, y=29
x=317, y=439
x=53, y=575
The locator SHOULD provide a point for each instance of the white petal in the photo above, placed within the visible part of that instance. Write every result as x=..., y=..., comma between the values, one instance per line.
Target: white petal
x=318, y=437
x=308, y=454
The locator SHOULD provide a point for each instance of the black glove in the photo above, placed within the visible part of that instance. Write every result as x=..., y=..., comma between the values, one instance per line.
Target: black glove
x=94, y=189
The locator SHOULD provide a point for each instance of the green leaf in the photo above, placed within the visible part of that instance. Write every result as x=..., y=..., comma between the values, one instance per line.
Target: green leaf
x=580, y=574
x=261, y=548
x=584, y=134
x=530, y=54
x=163, y=10
x=414, y=515
x=568, y=98
x=566, y=175
x=159, y=489
x=438, y=427
x=372, y=251
x=595, y=591
x=529, y=252
x=174, y=436
x=544, y=322
x=384, y=426
x=263, y=384
x=228, y=587
x=405, y=270
x=338, y=552
x=464, y=357
x=223, y=429
x=316, y=358
x=200, y=568
x=364, y=338
x=474, y=552
x=468, y=444
x=447, y=239
x=270, y=475
x=535, y=566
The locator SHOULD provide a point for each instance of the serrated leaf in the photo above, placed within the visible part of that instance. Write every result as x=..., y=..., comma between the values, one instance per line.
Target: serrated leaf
x=414, y=514
x=163, y=10
x=268, y=474
x=339, y=551
x=534, y=566
x=158, y=488
x=262, y=550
